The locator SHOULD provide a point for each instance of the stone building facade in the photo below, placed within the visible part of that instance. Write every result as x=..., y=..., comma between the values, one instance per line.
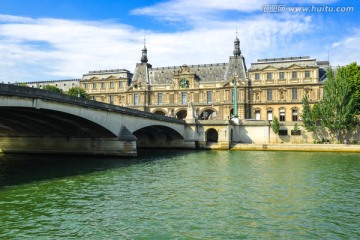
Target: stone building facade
x=271, y=87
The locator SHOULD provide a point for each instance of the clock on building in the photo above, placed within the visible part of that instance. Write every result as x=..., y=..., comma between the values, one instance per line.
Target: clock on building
x=184, y=83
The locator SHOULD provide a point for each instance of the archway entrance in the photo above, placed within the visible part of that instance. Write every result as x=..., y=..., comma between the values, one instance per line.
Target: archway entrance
x=212, y=136
x=160, y=112
x=208, y=114
x=181, y=114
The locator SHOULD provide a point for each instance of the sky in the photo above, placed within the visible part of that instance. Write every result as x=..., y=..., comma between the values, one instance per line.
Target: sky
x=44, y=40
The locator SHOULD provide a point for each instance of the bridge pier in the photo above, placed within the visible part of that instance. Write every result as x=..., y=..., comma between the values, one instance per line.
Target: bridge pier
x=80, y=146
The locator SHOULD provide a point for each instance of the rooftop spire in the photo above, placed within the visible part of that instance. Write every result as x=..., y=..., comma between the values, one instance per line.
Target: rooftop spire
x=237, y=51
x=144, y=58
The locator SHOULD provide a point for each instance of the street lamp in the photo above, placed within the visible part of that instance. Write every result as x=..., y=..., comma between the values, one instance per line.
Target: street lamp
x=79, y=89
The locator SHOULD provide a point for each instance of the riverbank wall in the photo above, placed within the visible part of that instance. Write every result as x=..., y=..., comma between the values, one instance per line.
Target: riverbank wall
x=298, y=147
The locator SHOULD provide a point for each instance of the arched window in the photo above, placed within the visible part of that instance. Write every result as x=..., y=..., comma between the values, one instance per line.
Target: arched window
x=181, y=114
x=207, y=114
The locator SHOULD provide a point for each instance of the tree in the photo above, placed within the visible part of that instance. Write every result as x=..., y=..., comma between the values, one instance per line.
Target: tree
x=275, y=125
x=352, y=74
x=336, y=111
x=75, y=91
x=52, y=88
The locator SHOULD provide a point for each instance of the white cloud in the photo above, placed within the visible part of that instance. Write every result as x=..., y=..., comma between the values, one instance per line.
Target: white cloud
x=346, y=50
x=45, y=49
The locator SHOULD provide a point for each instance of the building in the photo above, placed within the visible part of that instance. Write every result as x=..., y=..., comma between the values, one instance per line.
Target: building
x=65, y=85
x=271, y=87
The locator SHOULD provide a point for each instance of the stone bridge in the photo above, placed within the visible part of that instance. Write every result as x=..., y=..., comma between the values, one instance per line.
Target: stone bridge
x=38, y=121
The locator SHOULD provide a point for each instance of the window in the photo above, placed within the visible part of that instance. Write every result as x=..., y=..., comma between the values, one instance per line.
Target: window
x=257, y=114
x=209, y=96
x=85, y=85
x=294, y=94
x=183, y=98
x=295, y=115
x=112, y=99
x=93, y=98
x=136, y=98
x=257, y=76
x=120, y=84
x=94, y=85
x=269, y=115
x=281, y=75
x=282, y=115
x=307, y=74
x=103, y=85
x=269, y=95
x=283, y=132
x=112, y=85
x=269, y=76
x=160, y=96
x=294, y=74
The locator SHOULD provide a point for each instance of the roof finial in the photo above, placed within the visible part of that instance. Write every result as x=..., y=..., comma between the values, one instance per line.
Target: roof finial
x=237, y=51
x=144, y=58
x=236, y=32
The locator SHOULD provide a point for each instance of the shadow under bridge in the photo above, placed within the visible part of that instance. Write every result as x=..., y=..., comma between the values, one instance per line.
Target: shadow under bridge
x=158, y=137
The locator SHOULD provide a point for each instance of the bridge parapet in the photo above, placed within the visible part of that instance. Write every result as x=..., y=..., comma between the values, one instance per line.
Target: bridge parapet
x=13, y=90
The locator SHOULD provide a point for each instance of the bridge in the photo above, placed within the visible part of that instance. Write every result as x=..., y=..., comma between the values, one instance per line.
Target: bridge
x=39, y=121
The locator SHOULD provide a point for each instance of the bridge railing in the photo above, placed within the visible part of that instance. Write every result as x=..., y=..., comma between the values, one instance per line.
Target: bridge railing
x=20, y=91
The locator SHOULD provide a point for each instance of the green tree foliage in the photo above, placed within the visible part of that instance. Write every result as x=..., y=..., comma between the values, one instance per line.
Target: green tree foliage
x=352, y=74
x=336, y=111
x=75, y=91
x=275, y=125
x=52, y=88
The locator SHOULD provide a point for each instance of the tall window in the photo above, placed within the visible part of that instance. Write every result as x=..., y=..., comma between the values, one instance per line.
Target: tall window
x=103, y=85
x=136, y=98
x=112, y=85
x=307, y=74
x=294, y=74
x=86, y=86
x=257, y=114
x=257, y=76
x=94, y=86
x=295, y=115
x=269, y=95
x=93, y=98
x=282, y=115
x=160, y=96
x=294, y=94
x=112, y=99
x=269, y=76
x=208, y=96
x=269, y=115
x=281, y=75
x=120, y=84
x=183, y=98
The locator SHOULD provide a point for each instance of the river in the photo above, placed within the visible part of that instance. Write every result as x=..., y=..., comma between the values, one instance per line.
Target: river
x=170, y=194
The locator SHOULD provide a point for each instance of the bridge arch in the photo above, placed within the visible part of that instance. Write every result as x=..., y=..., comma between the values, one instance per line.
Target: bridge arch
x=32, y=122
x=157, y=136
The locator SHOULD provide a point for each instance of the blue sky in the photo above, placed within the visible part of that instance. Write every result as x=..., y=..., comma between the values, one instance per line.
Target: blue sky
x=51, y=39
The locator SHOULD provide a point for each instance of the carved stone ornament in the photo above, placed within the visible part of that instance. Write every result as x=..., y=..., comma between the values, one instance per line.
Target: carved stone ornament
x=184, y=69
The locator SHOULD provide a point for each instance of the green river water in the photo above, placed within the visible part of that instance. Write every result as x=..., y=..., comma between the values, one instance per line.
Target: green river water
x=174, y=194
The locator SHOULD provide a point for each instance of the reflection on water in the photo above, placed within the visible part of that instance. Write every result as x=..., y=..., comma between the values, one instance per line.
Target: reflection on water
x=181, y=194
